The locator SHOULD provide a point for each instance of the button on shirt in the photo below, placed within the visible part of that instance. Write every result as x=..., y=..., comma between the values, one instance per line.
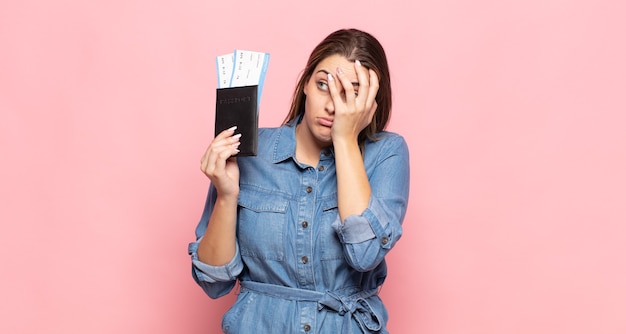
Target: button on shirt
x=289, y=234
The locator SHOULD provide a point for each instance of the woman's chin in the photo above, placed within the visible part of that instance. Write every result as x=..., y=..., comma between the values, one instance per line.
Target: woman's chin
x=325, y=136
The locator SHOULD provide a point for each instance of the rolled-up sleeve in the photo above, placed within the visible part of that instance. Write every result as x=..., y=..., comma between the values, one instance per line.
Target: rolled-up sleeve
x=368, y=237
x=211, y=274
x=216, y=281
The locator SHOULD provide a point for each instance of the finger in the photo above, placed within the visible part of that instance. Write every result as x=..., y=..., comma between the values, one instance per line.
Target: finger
x=372, y=112
x=372, y=88
x=348, y=89
x=332, y=88
x=227, y=148
x=216, y=161
x=219, y=140
x=363, y=77
x=204, y=161
x=208, y=163
x=226, y=133
x=206, y=158
x=229, y=145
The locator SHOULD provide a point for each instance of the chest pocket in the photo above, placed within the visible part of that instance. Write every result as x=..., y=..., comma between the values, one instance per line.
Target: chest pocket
x=330, y=245
x=261, y=226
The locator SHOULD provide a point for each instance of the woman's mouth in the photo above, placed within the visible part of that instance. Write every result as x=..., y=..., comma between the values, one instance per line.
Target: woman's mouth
x=324, y=121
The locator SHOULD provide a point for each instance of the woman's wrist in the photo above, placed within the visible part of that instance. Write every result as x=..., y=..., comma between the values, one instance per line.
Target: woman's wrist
x=227, y=199
x=345, y=142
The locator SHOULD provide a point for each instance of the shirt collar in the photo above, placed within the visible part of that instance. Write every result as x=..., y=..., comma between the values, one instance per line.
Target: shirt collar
x=285, y=144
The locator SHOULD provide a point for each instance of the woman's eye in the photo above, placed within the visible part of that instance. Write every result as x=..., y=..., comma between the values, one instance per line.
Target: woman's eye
x=322, y=85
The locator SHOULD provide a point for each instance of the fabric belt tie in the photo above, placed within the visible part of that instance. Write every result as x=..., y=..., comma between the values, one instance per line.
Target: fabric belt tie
x=349, y=303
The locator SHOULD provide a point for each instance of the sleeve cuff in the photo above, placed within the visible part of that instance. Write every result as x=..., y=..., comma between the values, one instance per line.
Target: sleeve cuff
x=355, y=229
x=364, y=227
x=212, y=274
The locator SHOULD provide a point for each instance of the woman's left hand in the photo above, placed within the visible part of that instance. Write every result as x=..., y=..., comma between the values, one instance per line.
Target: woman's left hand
x=354, y=108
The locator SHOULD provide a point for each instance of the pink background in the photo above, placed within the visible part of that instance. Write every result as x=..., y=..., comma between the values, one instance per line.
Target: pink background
x=514, y=111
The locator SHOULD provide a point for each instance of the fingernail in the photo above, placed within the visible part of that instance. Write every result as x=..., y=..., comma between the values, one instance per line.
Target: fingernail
x=236, y=144
x=237, y=136
x=357, y=62
x=339, y=71
x=330, y=77
x=233, y=128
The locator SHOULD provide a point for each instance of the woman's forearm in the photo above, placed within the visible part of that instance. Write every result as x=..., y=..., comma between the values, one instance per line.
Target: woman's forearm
x=353, y=186
x=218, y=245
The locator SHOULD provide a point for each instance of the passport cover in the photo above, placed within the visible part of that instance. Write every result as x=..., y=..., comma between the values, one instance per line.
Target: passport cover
x=238, y=106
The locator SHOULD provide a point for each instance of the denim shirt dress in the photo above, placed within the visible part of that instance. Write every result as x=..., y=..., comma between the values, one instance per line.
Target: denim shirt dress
x=300, y=269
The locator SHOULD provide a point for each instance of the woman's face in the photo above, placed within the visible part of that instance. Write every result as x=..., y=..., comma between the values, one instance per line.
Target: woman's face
x=319, y=110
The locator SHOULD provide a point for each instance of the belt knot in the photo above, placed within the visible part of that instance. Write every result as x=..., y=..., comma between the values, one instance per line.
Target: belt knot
x=353, y=306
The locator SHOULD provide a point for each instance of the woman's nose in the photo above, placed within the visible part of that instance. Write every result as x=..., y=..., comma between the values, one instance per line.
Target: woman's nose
x=330, y=106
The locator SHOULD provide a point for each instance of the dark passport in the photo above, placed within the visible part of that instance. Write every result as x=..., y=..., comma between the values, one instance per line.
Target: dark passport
x=238, y=106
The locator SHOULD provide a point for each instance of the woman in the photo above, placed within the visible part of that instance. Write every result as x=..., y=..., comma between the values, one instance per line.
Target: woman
x=305, y=225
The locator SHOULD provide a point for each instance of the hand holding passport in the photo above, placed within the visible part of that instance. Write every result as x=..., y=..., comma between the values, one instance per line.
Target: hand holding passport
x=240, y=82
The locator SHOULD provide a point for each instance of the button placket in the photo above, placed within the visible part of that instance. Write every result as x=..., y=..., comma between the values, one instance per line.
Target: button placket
x=306, y=211
x=305, y=259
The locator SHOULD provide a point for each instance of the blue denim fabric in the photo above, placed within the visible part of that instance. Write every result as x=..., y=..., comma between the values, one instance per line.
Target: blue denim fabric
x=289, y=234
